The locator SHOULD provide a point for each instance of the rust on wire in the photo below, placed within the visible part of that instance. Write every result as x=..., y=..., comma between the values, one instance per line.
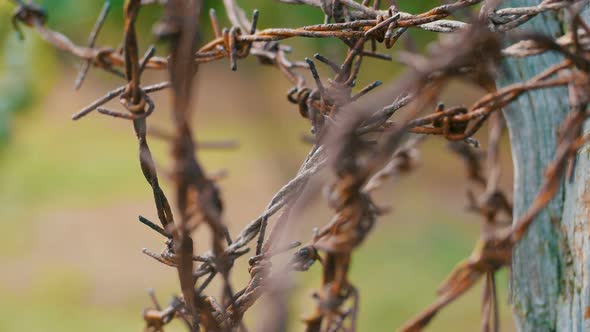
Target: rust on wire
x=362, y=145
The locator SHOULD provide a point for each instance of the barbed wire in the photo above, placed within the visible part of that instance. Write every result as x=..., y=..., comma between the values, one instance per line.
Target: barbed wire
x=360, y=162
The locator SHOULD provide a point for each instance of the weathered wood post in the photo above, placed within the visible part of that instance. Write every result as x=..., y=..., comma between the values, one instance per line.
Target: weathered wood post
x=550, y=269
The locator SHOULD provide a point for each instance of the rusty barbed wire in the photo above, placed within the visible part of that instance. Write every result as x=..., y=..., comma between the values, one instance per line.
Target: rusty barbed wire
x=363, y=20
x=363, y=148
x=496, y=211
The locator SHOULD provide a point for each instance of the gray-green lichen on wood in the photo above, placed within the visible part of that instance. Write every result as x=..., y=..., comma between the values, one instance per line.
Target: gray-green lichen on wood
x=575, y=292
x=550, y=270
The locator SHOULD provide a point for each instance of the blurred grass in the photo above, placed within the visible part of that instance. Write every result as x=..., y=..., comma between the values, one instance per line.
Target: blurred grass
x=70, y=191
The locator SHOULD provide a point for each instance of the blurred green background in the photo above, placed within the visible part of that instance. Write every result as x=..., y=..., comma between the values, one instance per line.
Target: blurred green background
x=70, y=192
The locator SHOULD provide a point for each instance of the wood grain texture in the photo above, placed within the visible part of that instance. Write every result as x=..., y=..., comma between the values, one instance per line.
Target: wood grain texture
x=550, y=271
x=540, y=261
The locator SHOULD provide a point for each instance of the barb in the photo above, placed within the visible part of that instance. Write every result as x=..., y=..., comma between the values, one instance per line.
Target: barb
x=91, y=42
x=364, y=21
x=364, y=148
x=489, y=254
